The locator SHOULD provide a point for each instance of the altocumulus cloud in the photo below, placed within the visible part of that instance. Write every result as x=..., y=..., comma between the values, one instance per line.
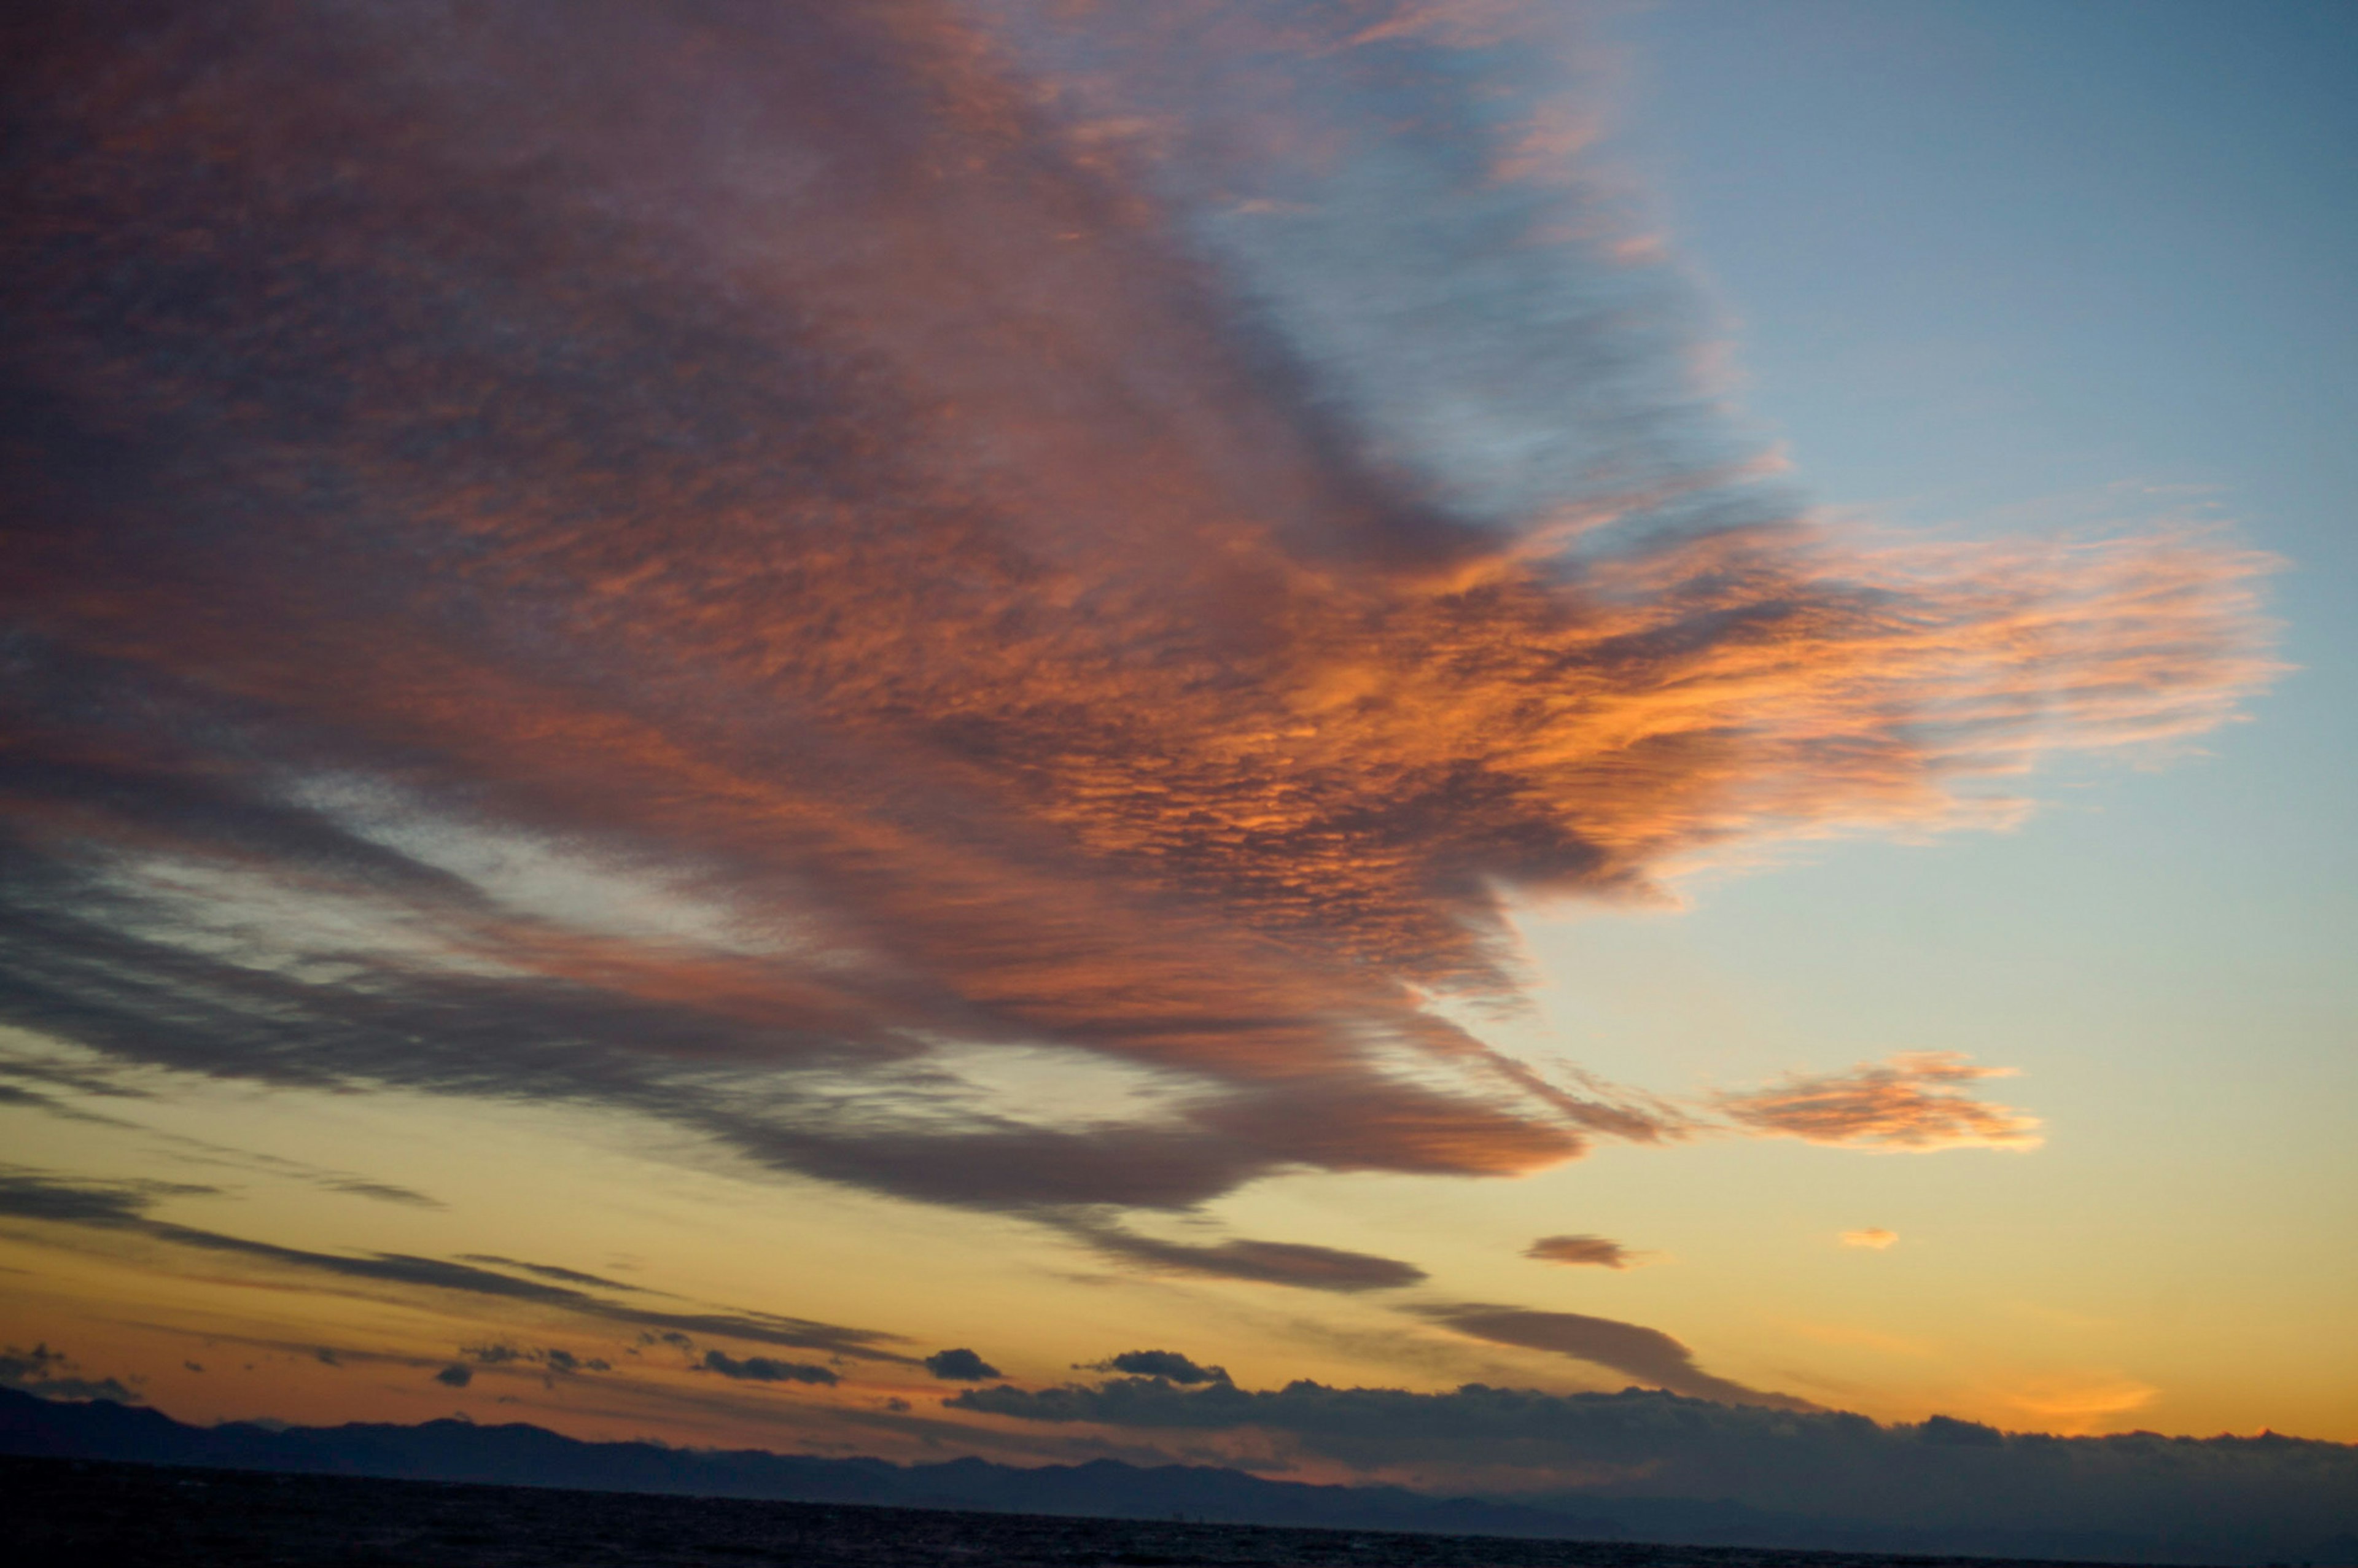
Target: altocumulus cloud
x=1917, y=1101
x=740, y=564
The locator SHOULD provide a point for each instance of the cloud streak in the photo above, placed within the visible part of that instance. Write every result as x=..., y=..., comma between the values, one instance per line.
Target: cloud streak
x=1647, y=1355
x=121, y=1207
x=741, y=612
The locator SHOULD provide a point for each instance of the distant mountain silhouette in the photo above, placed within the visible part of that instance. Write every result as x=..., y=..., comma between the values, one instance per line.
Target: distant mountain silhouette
x=520, y=1455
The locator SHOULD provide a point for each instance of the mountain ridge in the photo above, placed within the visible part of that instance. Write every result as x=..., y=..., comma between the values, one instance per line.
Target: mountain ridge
x=520, y=1454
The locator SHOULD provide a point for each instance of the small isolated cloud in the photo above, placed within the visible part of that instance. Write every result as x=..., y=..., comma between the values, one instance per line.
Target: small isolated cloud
x=193, y=1366
x=1918, y=1100
x=764, y=1369
x=1266, y=1263
x=1580, y=1249
x=1874, y=1237
x=455, y=1375
x=326, y=1357
x=1168, y=1364
x=959, y=1367
x=51, y=1374
x=492, y=1355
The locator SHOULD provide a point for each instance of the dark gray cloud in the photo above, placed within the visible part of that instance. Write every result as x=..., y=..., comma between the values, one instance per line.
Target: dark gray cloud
x=1648, y=1354
x=1165, y=1364
x=604, y=456
x=53, y=1375
x=764, y=1369
x=455, y=1376
x=959, y=1367
x=32, y=1195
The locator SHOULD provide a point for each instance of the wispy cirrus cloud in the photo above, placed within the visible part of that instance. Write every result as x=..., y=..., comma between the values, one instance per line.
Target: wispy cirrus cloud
x=122, y=1208
x=1916, y=1101
x=733, y=614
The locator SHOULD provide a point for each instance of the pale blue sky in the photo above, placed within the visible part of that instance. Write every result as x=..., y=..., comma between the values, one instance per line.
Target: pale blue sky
x=2001, y=266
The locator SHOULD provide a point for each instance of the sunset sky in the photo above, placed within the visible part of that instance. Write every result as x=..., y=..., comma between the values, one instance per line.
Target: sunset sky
x=704, y=699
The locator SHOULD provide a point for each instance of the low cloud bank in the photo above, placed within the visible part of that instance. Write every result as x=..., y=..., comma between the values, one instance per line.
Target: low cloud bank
x=53, y=1375
x=1573, y=1449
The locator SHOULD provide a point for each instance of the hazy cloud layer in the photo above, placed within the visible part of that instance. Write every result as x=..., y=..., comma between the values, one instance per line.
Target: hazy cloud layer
x=1915, y=1101
x=121, y=1207
x=203, y=1151
x=745, y=562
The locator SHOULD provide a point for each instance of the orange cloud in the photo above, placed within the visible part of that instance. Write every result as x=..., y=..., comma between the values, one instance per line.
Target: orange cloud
x=1912, y=1101
x=2078, y=1403
x=715, y=613
x=1875, y=1239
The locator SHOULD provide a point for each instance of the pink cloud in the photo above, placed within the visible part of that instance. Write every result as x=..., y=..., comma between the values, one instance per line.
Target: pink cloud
x=1917, y=1100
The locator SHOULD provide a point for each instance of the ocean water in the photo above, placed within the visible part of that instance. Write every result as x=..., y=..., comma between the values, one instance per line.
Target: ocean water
x=87, y=1513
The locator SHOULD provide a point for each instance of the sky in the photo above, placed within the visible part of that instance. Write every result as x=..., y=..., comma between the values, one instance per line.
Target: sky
x=1006, y=728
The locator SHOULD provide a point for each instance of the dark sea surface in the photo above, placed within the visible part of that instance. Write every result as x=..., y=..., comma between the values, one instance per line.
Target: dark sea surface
x=85, y=1513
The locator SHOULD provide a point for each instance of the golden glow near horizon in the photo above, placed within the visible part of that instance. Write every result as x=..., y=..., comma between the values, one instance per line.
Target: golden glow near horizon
x=1021, y=690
